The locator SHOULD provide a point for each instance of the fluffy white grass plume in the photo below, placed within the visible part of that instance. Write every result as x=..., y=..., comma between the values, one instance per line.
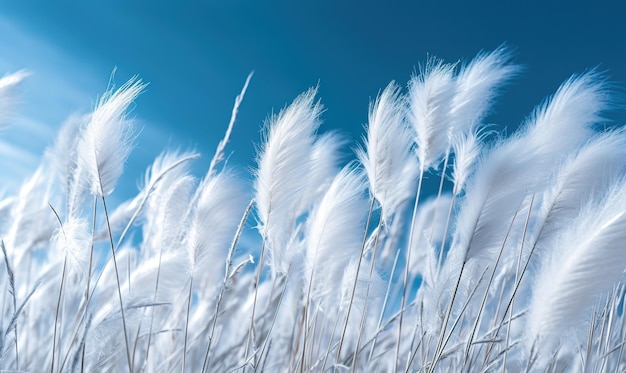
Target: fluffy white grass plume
x=32, y=223
x=325, y=161
x=429, y=229
x=477, y=84
x=73, y=239
x=9, y=85
x=430, y=100
x=180, y=306
x=167, y=269
x=107, y=139
x=387, y=158
x=467, y=148
x=349, y=276
x=520, y=166
x=167, y=168
x=284, y=164
x=582, y=178
x=165, y=226
x=587, y=261
x=63, y=157
x=220, y=203
x=335, y=231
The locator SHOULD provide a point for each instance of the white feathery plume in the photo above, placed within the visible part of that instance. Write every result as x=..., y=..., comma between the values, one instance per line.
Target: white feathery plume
x=373, y=287
x=9, y=84
x=477, y=84
x=32, y=223
x=522, y=165
x=284, y=164
x=430, y=223
x=582, y=178
x=167, y=168
x=466, y=147
x=118, y=218
x=73, y=239
x=168, y=269
x=587, y=260
x=430, y=100
x=107, y=139
x=435, y=294
x=164, y=226
x=335, y=231
x=387, y=158
x=220, y=203
x=63, y=155
x=325, y=160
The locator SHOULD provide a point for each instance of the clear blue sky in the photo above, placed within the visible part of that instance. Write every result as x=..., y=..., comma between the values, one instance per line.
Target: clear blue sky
x=196, y=57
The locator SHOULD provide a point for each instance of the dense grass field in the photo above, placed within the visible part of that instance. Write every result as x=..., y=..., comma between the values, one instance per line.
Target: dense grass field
x=333, y=259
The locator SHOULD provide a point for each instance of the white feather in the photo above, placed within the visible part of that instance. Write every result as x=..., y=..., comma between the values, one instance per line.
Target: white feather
x=522, y=165
x=284, y=164
x=585, y=262
x=107, y=139
x=430, y=100
x=387, y=158
x=335, y=231
x=476, y=87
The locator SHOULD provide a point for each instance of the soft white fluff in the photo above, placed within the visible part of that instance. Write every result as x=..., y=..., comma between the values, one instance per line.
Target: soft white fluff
x=429, y=229
x=63, y=152
x=165, y=269
x=581, y=179
x=335, y=231
x=107, y=139
x=284, y=164
x=219, y=206
x=387, y=158
x=73, y=240
x=168, y=168
x=477, y=84
x=325, y=164
x=32, y=222
x=520, y=166
x=585, y=262
x=165, y=225
x=467, y=148
x=430, y=101
x=311, y=216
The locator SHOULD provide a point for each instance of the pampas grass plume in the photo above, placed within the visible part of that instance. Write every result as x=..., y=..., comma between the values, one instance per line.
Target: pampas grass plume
x=107, y=139
x=520, y=249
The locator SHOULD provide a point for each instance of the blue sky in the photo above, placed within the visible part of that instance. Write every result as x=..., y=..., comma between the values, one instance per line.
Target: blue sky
x=196, y=57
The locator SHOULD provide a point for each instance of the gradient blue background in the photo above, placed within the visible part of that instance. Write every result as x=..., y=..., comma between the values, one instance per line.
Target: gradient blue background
x=196, y=57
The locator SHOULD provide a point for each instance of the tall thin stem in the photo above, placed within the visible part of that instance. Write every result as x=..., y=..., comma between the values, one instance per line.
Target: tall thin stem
x=119, y=287
x=93, y=238
x=406, y=268
x=187, y=322
x=229, y=258
x=358, y=269
x=56, y=315
x=484, y=301
x=257, y=280
x=440, y=191
x=367, y=292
